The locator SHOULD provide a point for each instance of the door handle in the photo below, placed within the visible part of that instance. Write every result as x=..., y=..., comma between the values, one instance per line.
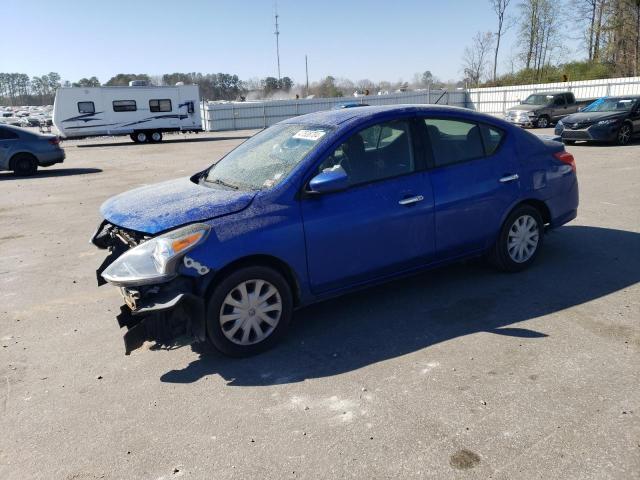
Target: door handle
x=509, y=178
x=411, y=200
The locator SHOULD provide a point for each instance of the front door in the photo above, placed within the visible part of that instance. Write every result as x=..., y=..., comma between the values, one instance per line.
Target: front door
x=382, y=223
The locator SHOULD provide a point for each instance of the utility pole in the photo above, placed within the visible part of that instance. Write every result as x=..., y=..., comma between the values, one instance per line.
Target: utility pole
x=306, y=67
x=277, y=34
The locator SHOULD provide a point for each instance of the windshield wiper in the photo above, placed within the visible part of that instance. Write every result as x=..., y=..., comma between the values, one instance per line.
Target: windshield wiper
x=223, y=183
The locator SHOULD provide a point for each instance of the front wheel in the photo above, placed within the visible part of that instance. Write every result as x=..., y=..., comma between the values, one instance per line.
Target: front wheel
x=139, y=137
x=624, y=134
x=156, y=137
x=543, y=122
x=520, y=240
x=249, y=311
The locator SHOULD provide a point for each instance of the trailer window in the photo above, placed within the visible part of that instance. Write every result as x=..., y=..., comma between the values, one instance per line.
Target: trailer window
x=160, y=105
x=124, y=106
x=86, y=107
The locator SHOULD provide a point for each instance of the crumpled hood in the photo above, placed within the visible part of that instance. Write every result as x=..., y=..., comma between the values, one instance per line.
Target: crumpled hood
x=590, y=117
x=162, y=206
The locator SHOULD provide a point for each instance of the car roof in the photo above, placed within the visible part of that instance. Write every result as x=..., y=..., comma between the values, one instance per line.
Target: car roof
x=334, y=118
x=551, y=93
x=18, y=130
x=617, y=97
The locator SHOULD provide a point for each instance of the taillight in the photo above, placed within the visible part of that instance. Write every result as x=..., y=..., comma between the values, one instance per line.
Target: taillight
x=566, y=157
x=54, y=141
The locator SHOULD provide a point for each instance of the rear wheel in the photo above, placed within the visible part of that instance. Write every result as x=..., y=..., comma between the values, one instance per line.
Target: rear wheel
x=156, y=137
x=624, y=134
x=543, y=122
x=520, y=239
x=249, y=311
x=24, y=165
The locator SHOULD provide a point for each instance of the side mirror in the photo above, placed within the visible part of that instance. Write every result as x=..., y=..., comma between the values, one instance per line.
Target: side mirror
x=332, y=180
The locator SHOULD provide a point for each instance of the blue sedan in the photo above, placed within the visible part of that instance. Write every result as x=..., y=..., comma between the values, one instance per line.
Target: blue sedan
x=319, y=205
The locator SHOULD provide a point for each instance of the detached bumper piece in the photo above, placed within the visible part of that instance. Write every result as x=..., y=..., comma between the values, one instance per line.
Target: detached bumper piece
x=169, y=318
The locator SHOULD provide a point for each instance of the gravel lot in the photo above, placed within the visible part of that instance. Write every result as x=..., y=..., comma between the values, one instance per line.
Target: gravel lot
x=457, y=373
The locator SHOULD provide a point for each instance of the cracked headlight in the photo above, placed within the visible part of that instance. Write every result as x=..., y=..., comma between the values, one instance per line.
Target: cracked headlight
x=155, y=260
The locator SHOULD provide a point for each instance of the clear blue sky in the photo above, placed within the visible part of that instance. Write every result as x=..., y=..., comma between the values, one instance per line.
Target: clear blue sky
x=356, y=39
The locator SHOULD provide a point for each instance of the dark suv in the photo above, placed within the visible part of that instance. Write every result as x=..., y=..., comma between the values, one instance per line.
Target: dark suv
x=608, y=119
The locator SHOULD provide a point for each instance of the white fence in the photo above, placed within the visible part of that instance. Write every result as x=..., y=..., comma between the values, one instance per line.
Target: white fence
x=497, y=100
x=251, y=115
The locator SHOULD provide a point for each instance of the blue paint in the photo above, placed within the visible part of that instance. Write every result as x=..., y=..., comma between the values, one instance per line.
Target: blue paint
x=163, y=206
x=333, y=242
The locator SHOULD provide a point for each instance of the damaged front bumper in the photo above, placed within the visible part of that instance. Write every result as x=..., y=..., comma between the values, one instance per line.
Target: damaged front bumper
x=170, y=314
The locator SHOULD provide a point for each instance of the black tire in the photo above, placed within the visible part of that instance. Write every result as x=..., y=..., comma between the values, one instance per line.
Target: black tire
x=24, y=165
x=216, y=303
x=500, y=255
x=625, y=132
x=140, y=137
x=155, y=137
x=543, y=122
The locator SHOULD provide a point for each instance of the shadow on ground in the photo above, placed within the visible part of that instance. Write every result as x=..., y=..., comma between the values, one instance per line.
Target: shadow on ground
x=578, y=264
x=131, y=143
x=58, y=172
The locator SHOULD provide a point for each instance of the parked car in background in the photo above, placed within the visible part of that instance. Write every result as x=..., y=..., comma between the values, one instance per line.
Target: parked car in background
x=608, y=119
x=543, y=109
x=23, y=152
x=321, y=204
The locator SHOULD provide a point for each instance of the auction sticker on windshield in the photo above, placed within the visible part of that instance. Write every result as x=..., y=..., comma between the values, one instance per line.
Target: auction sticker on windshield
x=312, y=135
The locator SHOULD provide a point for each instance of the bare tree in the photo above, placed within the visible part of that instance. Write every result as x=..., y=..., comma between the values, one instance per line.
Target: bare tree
x=500, y=8
x=474, y=60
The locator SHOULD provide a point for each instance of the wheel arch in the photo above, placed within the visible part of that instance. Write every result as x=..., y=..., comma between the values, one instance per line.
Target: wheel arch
x=263, y=260
x=536, y=203
x=539, y=205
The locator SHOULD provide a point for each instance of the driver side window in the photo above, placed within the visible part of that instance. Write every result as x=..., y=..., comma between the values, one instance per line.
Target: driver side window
x=375, y=153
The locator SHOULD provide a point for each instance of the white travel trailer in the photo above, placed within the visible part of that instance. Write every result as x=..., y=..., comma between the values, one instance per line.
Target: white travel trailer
x=143, y=112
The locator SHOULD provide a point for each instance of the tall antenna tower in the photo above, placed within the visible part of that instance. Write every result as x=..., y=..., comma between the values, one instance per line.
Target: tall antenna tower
x=277, y=34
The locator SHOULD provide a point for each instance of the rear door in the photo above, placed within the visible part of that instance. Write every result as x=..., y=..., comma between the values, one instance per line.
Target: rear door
x=382, y=223
x=475, y=180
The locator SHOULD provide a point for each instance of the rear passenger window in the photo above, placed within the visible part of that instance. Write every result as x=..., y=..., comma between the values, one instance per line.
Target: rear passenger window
x=375, y=153
x=124, y=106
x=491, y=137
x=160, y=105
x=454, y=141
x=86, y=107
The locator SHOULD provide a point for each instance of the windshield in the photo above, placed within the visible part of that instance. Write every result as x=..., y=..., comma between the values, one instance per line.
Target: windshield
x=538, y=99
x=611, y=105
x=266, y=158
